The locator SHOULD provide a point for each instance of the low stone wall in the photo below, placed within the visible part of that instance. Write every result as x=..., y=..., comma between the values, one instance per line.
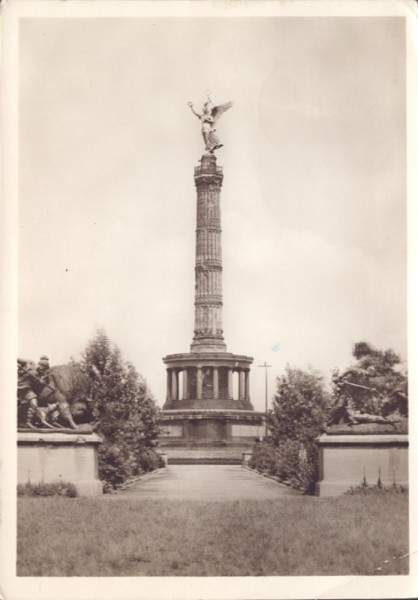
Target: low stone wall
x=51, y=456
x=344, y=461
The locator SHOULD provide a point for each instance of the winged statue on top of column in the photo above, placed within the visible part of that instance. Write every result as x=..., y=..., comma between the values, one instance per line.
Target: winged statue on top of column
x=209, y=117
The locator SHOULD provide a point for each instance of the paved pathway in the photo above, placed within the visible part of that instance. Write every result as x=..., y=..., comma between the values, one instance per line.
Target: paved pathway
x=206, y=482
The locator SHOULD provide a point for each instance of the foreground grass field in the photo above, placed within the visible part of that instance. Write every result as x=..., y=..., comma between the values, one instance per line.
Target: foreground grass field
x=114, y=536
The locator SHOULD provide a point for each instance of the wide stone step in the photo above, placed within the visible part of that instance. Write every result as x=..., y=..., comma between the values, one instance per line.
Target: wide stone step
x=204, y=456
x=208, y=403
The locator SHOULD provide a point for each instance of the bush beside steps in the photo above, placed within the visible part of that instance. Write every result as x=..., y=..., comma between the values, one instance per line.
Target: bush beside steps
x=55, y=488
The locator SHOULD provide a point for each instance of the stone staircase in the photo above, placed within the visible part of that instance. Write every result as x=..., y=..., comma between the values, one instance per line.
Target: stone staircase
x=204, y=456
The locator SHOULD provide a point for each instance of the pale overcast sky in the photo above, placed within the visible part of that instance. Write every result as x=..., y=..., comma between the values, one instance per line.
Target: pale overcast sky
x=313, y=202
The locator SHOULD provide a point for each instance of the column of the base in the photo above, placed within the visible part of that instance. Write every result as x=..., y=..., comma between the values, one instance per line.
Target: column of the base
x=174, y=385
x=215, y=383
x=247, y=385
x=168, y=396
x=230, y=386
x=199, y=382
x=241, y=385
x=185, y=385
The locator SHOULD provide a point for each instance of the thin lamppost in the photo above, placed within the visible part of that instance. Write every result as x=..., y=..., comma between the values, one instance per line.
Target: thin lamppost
x=266, y=366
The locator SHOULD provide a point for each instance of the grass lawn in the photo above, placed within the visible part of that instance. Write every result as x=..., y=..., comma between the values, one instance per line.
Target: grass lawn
x=111, y=536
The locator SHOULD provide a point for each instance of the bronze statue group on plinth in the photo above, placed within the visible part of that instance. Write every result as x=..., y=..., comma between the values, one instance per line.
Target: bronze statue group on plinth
x=52, y=398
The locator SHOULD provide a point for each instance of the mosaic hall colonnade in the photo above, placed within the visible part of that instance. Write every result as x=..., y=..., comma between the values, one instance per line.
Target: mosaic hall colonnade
x=207, y=382
x=203, y=381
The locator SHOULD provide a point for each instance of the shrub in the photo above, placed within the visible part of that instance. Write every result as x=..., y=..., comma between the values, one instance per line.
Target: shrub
x=111, y=467
x=300, y=410
x=301, y=406
x=263, y=457
x=117, y=465
x=149, y=460
x=55, y=488
x=292, y=462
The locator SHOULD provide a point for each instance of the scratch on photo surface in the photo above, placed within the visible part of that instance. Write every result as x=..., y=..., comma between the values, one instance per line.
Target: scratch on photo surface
x=330, y=592
x=389, y=560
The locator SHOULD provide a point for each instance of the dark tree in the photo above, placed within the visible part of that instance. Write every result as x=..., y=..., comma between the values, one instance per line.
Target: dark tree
x=300, y=410
x=301, y=406
x=125, y=413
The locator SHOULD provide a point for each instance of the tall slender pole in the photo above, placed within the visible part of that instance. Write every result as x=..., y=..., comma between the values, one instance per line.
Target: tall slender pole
x=266, y=366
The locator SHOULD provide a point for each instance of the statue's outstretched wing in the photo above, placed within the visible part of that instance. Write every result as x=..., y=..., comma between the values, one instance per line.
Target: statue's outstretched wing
x=217, y=111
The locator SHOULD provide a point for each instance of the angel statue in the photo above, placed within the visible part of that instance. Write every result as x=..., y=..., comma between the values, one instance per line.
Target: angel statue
x=209, y=117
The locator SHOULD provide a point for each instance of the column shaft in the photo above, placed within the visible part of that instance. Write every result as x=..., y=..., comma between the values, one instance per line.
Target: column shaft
x=215, y=383
x=168, y=395
x=185, y=385
x=208, y=332
x=247, y=385
x=230, y=384
x=241, y=385
x=199, y=382
x=174, y=386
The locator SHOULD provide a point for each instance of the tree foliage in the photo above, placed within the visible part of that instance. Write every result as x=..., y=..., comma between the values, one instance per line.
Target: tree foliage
x=300, y=409
x=125, y=413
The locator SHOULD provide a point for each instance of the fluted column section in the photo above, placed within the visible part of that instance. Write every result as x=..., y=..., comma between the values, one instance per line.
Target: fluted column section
x=208, y=333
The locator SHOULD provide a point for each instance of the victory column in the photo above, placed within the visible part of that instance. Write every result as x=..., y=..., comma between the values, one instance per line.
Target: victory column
x=209, y=414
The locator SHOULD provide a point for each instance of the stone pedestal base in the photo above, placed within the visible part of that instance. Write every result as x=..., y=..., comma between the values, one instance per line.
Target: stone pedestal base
x=209, y=436
x=344, y=461
x=246, y=457
x=50, y=456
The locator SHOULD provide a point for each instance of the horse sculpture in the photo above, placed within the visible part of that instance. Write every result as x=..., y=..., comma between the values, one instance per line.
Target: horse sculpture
x=59, y=399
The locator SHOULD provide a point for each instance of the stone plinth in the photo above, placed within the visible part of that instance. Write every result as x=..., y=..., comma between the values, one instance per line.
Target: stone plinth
x=246, y=457
x=46, y=456
x=345, y=459
x=212, y=436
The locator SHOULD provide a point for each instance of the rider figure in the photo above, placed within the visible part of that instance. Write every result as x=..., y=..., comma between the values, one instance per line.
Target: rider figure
x=32, y=381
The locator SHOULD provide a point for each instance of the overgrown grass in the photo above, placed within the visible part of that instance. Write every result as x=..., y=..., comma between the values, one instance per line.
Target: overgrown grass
x=114, y=536
x=366, y=489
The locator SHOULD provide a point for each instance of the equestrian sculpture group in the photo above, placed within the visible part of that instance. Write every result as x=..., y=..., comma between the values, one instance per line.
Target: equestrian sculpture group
x=388, y=408
x=52, y=397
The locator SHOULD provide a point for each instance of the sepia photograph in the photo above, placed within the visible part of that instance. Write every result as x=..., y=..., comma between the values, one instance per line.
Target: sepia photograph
x=206, y=270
